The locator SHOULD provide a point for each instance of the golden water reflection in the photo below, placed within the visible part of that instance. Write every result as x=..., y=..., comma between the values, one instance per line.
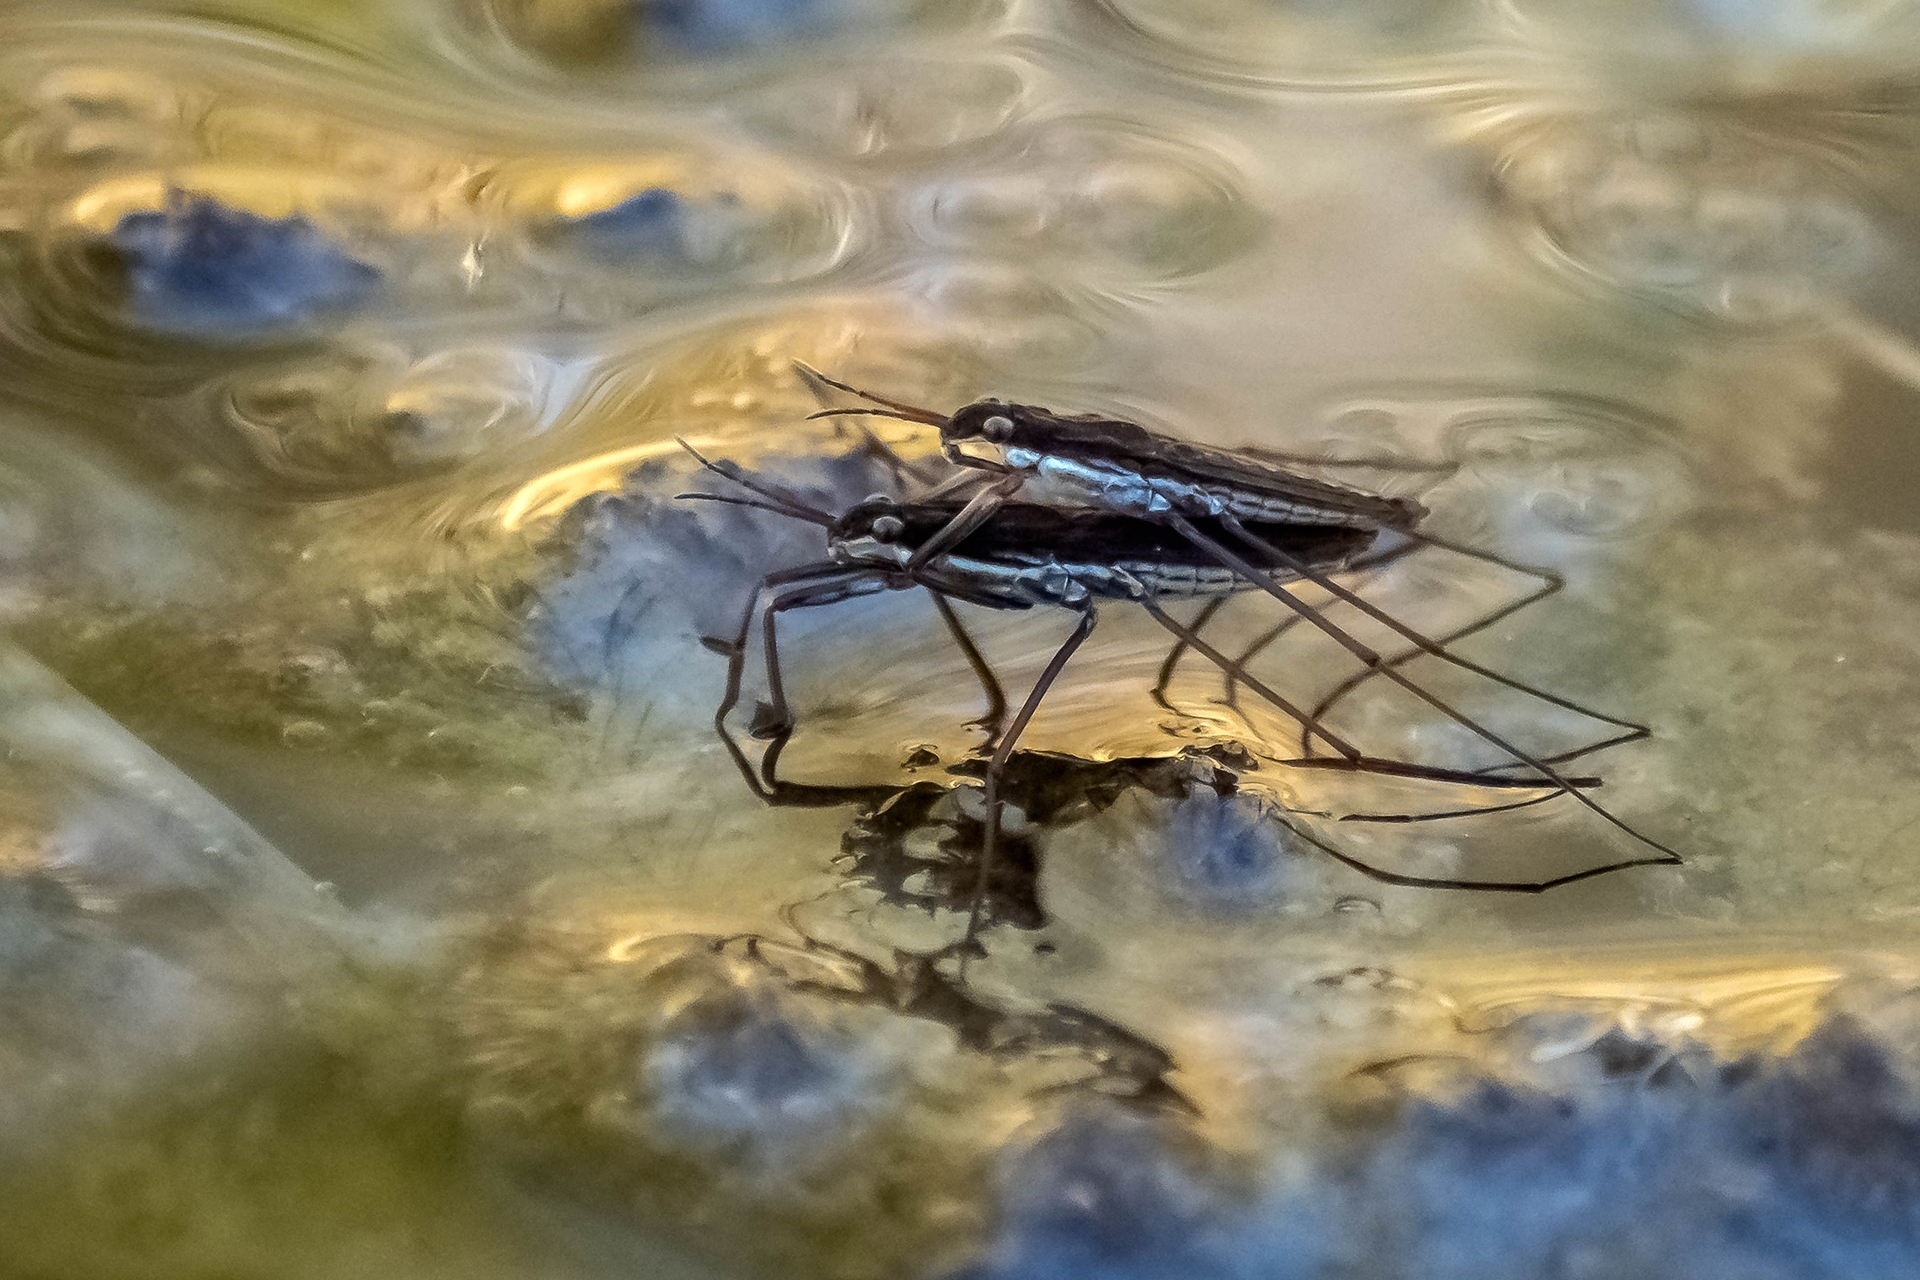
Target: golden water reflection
x=376, y=894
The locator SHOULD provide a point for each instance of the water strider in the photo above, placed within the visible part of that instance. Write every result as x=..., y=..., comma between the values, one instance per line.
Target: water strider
x=1016, y=555
x=1211, y=497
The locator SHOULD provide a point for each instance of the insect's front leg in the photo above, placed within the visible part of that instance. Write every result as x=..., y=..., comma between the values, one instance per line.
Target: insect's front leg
x=775, y=719
x=826, y=582
x=978, y=511
x=736, y=649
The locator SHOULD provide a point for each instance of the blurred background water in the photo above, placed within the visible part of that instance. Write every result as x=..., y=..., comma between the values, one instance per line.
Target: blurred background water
x=377, y=898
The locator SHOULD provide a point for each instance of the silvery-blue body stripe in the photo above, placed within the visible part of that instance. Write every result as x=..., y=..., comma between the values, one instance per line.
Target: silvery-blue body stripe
x=1115, y=488
x=1019, y=580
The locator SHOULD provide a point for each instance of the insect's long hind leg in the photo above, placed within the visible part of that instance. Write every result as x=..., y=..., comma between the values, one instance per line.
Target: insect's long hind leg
x=1191, y=639
x=1239, y=564
x=999, y=762
x=1444, y=815
x=1368, y=564
x=1179, y=650
x=996, y=714
x=1352, y=759
x=1361, y=764
x=1478, y=886
x=1237, y=668
x=1551, y=583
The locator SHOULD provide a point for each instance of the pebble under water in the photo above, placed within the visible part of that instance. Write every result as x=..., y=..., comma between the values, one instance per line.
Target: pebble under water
x=378, y=898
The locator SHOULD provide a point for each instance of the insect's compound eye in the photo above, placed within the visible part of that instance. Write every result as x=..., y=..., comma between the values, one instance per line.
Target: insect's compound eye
x=887, y=528
x=998, y=428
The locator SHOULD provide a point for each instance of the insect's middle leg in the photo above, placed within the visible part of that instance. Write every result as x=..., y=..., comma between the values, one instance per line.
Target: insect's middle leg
x=990, y=843
x=996, y=714
x=1171, y=662
x=1368, y=564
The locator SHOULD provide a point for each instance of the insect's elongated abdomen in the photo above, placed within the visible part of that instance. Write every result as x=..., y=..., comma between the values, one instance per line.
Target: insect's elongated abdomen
x=1026, y=554
x=1123, y=467
x=1023, y=581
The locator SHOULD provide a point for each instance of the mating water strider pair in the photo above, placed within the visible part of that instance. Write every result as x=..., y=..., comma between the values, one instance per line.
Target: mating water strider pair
x=1136, y=516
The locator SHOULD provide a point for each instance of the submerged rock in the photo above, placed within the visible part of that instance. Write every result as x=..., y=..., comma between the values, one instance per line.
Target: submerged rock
x=202, y=267
x=726, y=26
x=650, y=223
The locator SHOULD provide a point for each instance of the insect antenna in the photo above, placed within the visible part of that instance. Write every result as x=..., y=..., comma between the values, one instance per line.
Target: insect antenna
x=811, y=516
x=859, y=413
x=911, y=413
x=791, y=504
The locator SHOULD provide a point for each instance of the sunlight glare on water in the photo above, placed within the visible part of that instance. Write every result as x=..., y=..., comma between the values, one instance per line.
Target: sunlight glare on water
x=377, y=895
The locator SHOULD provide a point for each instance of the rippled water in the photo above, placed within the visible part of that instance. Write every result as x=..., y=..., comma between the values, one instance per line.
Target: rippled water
x=376, y=896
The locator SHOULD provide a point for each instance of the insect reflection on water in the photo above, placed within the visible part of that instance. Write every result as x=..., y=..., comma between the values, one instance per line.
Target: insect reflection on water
x=1129, y=515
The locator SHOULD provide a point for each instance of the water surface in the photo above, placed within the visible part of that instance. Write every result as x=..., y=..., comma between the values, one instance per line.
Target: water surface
x=376, y=895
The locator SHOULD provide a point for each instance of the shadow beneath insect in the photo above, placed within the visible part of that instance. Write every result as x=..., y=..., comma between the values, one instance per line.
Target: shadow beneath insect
x=922, y=846
x=1121, y=1064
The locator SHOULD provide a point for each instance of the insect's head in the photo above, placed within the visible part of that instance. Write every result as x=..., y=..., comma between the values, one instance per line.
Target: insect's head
x=874, y=532
x=984, y=433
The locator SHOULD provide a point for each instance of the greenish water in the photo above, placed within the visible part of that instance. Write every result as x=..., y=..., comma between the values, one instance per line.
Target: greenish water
x=376, y=896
